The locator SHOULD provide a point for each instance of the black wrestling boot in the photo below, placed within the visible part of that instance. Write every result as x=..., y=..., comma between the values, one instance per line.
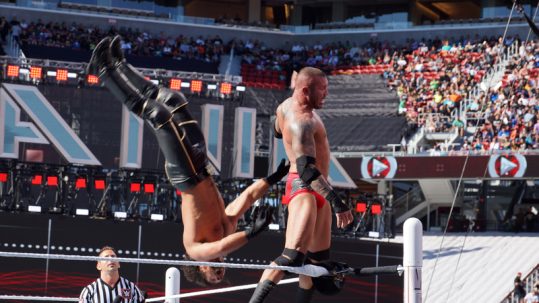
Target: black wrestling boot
x=261, y=292
x=102, y=65
x=304, y=295
x=185, y=160
x=175, y=101
x=146, y=87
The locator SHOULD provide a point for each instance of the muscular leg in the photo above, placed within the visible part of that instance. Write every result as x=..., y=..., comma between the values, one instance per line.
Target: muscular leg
x=174, y=101
x=299, y=230
x=322, y=230
x=185, y=159
x=317, y=251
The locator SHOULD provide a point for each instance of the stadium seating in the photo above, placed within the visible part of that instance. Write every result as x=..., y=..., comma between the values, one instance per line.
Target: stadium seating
x=431, y=78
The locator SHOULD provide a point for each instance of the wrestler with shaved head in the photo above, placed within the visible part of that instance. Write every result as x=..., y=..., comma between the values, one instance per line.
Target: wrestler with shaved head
x=308, y=234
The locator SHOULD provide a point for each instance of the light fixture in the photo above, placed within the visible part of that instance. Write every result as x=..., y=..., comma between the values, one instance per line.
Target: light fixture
x=92, y=79
x=12, y=70
x=175, y=84
x=35, y=72
x=80, y=183
x=361, y=207
x=376, y=209
x=34, y=208
x=157, y=217
x=120, y=215
x=82, y=212
x=61, y=74
x=495, y=183
x=37, y=179
x=52, y=180
x=273, y=226
x=226, y=88
x=134, y=187
x=374, y=234
x=149, y=188
x=99, y=184
x=196, y=86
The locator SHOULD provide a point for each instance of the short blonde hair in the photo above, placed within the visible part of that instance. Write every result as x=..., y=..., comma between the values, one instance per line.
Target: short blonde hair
x=106, y=247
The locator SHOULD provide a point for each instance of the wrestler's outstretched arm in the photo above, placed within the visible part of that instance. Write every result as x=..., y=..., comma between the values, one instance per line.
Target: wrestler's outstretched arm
x=304, y=148
x=212, y=250
x=254, y=192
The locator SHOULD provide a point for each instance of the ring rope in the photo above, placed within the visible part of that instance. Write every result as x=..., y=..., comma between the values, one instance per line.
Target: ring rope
x=308, y=270
x=216, y=291
x=38, y=298
x=157, y=299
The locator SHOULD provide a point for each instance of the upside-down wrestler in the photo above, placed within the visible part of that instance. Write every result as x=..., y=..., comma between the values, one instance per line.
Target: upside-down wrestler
x=209, y=228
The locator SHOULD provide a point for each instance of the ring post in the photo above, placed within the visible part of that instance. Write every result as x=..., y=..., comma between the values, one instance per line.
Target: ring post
x=412, y=260
x=172, y=284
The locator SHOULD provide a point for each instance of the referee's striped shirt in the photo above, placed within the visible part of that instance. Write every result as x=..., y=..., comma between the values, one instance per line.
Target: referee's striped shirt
x=101, y=292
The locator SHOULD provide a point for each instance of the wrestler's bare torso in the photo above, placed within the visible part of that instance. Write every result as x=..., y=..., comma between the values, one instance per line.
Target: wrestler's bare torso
x=204, y=217
x=291, y=116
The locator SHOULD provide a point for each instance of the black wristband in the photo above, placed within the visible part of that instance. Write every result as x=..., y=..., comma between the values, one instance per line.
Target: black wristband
x=250, y=233
x=336, y=203
x=272, y=179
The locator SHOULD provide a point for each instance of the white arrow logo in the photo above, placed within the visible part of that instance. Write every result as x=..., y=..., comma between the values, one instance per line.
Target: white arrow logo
x=378, y=167
x=506, y=166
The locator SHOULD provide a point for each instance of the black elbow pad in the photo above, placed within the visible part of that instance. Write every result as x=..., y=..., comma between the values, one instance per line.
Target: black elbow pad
x=306, y=169
x=276, y=133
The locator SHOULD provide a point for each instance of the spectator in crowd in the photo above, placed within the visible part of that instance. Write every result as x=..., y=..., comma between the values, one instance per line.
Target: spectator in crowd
x=533, y=296
x=519, y=291
x=134, y=42
x=4, y=29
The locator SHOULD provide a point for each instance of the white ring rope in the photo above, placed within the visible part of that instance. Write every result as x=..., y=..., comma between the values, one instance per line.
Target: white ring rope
x=38, y=298
x=185, y=295
x=216, y=291
x=307, y=270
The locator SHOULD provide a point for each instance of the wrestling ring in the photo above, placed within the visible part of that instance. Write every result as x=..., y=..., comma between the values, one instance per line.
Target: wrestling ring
x=410, y=270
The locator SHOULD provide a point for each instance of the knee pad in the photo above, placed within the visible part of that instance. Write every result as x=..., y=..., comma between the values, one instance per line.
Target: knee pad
x=172, y=99
x=318, y=256
x=290, y=257
x=176, y=103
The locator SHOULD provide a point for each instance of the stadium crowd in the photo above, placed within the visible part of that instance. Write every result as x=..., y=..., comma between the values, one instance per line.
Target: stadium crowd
x=508, y=112
x=135, y=42
x=430, y=77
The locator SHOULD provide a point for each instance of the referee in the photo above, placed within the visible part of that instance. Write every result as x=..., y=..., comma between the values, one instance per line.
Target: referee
x=110, y=287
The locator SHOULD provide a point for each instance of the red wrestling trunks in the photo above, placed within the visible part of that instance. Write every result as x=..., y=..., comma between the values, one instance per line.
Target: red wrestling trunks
x=296, y=186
